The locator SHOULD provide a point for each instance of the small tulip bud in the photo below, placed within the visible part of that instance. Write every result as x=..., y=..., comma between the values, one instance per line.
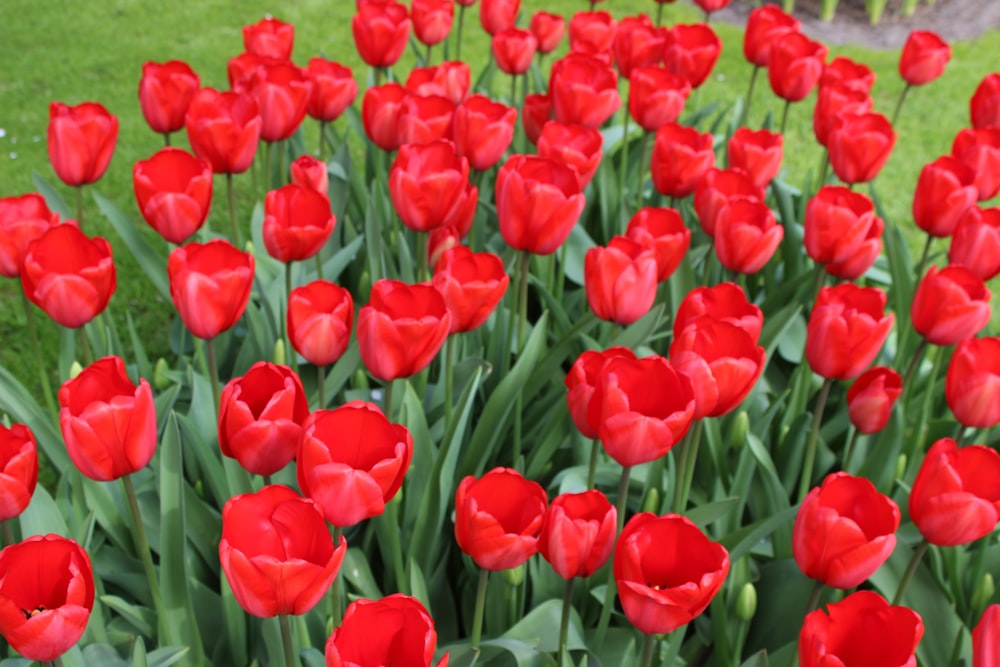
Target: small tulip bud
x=983, y=594
x=652, y=503
x=279, y=355
x=75, y=369
x=248, y=247
x=746, y=602
x=738, y=431
x=514, y=576
x=360, y=379
x=900, y=466
x=160, y=379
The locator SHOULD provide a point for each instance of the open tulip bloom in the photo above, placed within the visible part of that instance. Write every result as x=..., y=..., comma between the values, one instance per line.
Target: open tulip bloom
x=573, y=391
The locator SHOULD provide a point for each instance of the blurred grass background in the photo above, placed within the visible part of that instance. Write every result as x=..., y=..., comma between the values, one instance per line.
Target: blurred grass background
x=94, y=50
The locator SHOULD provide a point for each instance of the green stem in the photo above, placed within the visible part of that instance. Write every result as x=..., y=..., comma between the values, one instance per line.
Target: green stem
x=36, y=348
x=923, y=257
x=925, y=407
x=811, y=443
x=621, y=504
x=166, y=139
x=289, y=350
x=784, y=116
x=88, y=357
x=595, y=450
x=513, y=90
x=392, y=518
x=337, y=610
x=423, y=273
x=458, y=37
x=643, y=168
x=322, y=138
x=427, y=56
x=286, y=640
x=849, y=449
x=691, y=445
x=266, y=479
x=387, y=404
x=477, y=618
x=814, y=596
x=899, y=104
x=213, y=368
x=8, y=533
x=647, y=650
x=918, y=355
x=522, y=323
x=449, y=370
x=564, y=621
x=321, y=386
x=911, y=568
x=79, y=205
x=142, y=549
x=960, y=435
x=268, y=147
x=623, y=163
x=233, y=224
x=706, y=266
x=659, y=14
x=561, y=273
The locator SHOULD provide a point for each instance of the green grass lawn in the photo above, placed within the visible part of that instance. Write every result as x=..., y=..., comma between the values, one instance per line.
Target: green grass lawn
x=73, y=52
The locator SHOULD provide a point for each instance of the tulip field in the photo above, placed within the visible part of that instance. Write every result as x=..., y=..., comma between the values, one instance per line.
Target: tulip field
x=633, y=339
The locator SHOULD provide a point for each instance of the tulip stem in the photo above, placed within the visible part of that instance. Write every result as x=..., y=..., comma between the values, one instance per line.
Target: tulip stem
x=647, y=650
x=427, y=57
x=746, y=107
x=807, y=467
x=595, y=446
x=899, y=104
x=36, y=349
x=391, y=517
x=387, y=402
x=321, y=386
x=784, y=116
x=561, y=273
x=685, y=470
x=286, y=640
x=289, y=350
x=213, y=368
x=659, y=14
x=322, y=139
x=564, y=621
x=423, y=272
x=88, y=357
x=267, y=166
x=849, y=449
x=477, y=617
x=706, y=265
x=8, y=533
x=79, y=205
x=336, y=610
x=458, y=37
x=923, y=257
x=643, y=166
x=142, y=549
x=621, y=505
x=814, y=596
x=911, y=568
x=918, y=354
x=623, y=163
x=449, y=385
x=237, y=241
x=166, y=139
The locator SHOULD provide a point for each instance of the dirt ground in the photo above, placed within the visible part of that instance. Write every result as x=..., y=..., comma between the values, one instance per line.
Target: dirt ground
x=952, y=19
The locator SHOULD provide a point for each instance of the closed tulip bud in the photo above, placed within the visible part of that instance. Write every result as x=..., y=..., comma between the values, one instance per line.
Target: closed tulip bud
x=380, y=110
x=224, y=128
x=859, y=146
x=923, y=58
x=269, y=37
x=310, y=173
x=575, y=146
x=333, y=89
x=424, y=119
x=578, y=533
x=746, y=235
x=483, y=130
x=900, y=468
x=381, y=31
x=548, y=29
x=795, y=65
x=976, y=242
x=165, y=93
x=758, y=153
x=432, y=20
x=210, y=285
x=81, y=140
x=320, y=317
x=592, y=33
x=765, y=26
x=638, y=43
x=652, y=501
x=620, y=280
x=847, y=327
x=945, y=191
x=396, y=630
x=22, y=220
x=972, y=383
x=75, y=369
x=871, y=397
x=514, y=50
x=297, y=222
x=842, y=71
x=681, y=156
x=746, y=602
x=691, y=51
x=18, y=469
x=581, y=381
x=514, y=576
x=174, y=191
x=160, y=379
x=472, y=285
x=663, y=231
x=984, y=105
x=716, y=189
x=497, y=15
x=450, y=79
x=584, y=90
x=739, y=429
x=983, y=593
x=538, y=203
x=980, y=151
x=950, y=305
x=656, y=96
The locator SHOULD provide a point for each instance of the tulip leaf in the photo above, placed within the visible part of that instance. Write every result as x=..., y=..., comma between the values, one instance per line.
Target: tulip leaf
x=740, y=542
x=53, y=199
x=42, y=516
x=138, y=350
x=109, y=514
x=143, y=620
x=775, y=327
x=524, y=653
x=166, y=656
x=638, y=333
x=334, y=266
x=792, y=342
x=540, y=628
x=22, y=407
x=758, y=659
x=708, y=513
x=418, y=586
x=359, y=574
x=577, y=245
x=139, y=657
x=102, y=655
x=312, y=658
x=151, y=261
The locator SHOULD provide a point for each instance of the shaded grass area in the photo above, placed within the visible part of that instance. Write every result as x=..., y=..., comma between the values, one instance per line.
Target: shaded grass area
x=73, y=52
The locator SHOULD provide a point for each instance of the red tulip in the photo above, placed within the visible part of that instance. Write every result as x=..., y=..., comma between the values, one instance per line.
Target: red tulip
x=663, y=231
x=535, y=113
x=108, y=423
x=984, y=105
x=276, y=552
x=297, y=222
x=638, y=43
x=333, y=89
x=270, y=38
x=401, y=328
x=716, y=189
x=758, y=153
x=575, y=146
x=656, y=97
x=497, y=15
x=765, y=26
x=976, y=242
x=836, y=223
x=472, y=285
x=165, y=93
x=844, y=530
x=396, y=630
x=538, y=202
x=81, y=140
x=282, y=91
x=945, y=190
x=950, y=305
x=722, y=361
x=973, y=381
x=725, y=302
x=859, y=146
x=795, y=65
x=844, y=72
x=667, y=571
x=923, y=58
x=498, y=518
x=681, y=156
x=514, y=49
x=592, y=33
x=224, y=129
x=548, y=29
x=871, y=397
x=985, y=636
x=865, y=256
x=578, y=533
x=450, y=79
x=955, y=498
x=432, y=20
x=380, y=111
x=980, y=151
x=835, y=100
x=620, y=280
x=22, y=220
x=310, y=173
x=260, y=417
x=424, y=119
x=746, y=235
x=174, y=191
x=847, y=327
x=861, y=629
x=46, y=595
x=429, y=186
x=242, y=69
x=483, y=130
x=691, y=51
x=210, y=285
x=584, y=90
x=320, y=317
x=352, y=461
x=381, y=31
x=642, y=408
x=581, y=381
x=709, y=6
x=18, y=469
x=69, y=275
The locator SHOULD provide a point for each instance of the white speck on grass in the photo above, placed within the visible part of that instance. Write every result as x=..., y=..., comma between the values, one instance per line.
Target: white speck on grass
x=3, y=133
x=12, y=155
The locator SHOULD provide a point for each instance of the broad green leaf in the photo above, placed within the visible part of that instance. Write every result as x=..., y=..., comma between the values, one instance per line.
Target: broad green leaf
x=151, y=261
x=740, y=542
x=142, y=619
x=53, y=199
x=139, y=657
x=42, y=516
x=102, y=655
x=708, y=513
x=758, y=659
x=577, y=245
x=359, y=574
x=166, y=656
x=22, y=407
x=540, y=628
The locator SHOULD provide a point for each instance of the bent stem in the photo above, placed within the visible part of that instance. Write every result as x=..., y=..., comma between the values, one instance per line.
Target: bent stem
x=231, y=197
x=814, y=596
x=807, y=467
x=621, y=504
x=911, y=568
x=923, y=257
x=142, y=547
x=564, y=621
x=286, y=640
x=899, y=104
x=36, y=350
x=477, y=617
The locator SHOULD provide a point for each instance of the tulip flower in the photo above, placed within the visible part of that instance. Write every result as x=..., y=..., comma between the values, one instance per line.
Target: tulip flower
x=352, y=461
x=592, y=33
x=432, y=20
x=22, y=220
x=986, y=638
x=945, y=190
x=108, y=422
x=923, y=58
x=483, y=130
x=241, y=70
x=450, y=79
x=869, y=250
x=18, y=469
x=746, y=235
x=980, y=151
x=276, y=552
x=663, y=231
x=681, y=156
x=424, y=119
x=497, y=15
x=716, y=189
x=320, y=317
x=396, y=630
x=535, y=113
x=270, y=38
x=836, y=224
x=795, y=65
x=667, y=571
x=656, y=96
x=950, y=305
x=380, y=110
x=429, y=186
x=578, y=533
x=863, y=628
x=844, y=530
x=842, y=71
x=472, y=285
x=498, y=518
x=282, y=91
x=834, y=100
x=210, y=285
x=709, y=6
x=758, y=153
x=513, y=50
x=584, y=90
x=165, y=93
x=81, y=140
x=984, y=105
x=581, y=382
x=548, y=30
x=973, y=381
x=297, y=222
x=955, y=498
x=725, y=302
x=310, y=173
x=620, y=280
x=69, y=275
x=638, y=44
x=871, y=397
x=174, y=192
x=381, y=31
x=224, y=129
x=691, y=51
x=859, y=146
x=976, y=242
x=765, y=25
x=538, y=202
x=46, y=595
x=333, y=89
x=575, y=146
x=847, y=327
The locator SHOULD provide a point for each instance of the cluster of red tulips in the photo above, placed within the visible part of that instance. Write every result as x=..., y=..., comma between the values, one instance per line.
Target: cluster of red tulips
x=452, y=164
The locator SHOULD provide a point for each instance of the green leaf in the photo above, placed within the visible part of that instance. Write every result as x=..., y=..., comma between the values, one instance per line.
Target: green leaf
x=53, y=199
x=708, y=513
x=22, y=407
x=358, y=573
x=577, y=245
x=143, y=620
x=151, y=261
x=102, y=655
x=758, y=659
x=740, y=542
x=166, y=656
x=524, y=654
x=139, y=657
x=540, y=628
x=42, y=516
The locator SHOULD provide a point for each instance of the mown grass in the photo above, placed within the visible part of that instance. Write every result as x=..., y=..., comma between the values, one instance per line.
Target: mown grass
x=93, y=50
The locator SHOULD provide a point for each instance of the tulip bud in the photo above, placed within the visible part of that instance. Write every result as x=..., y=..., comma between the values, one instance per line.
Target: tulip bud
x=784, y=432
x=365, y=284
x=514, y=576
x=248, y=247
x=279, y=355
x=75, y=369
x=739, y=430
x=746, y=603
x=360, y=379
x=652, y=503
x=983, y=593
x=199, y=488
x=900, y=466
x=160, y=379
